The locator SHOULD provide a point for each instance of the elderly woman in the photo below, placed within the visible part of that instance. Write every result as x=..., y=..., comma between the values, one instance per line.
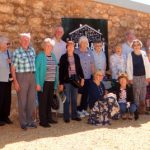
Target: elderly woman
x=138, y=73
x=70, y=67
x=117, y=62
x=100, y=104
x=124, y=92
x=5, y=83
x=46, y=80
x=87, y=63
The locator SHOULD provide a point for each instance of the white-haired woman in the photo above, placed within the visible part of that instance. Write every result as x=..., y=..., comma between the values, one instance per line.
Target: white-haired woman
x=138, y=73
x=46, y=80
x=5, y=84
x=87, y=63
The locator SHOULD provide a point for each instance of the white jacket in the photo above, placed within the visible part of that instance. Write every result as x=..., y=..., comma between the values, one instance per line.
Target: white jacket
x=130, y=65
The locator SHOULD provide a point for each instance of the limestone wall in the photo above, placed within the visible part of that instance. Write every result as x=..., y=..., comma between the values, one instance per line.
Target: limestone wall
x=41, y=16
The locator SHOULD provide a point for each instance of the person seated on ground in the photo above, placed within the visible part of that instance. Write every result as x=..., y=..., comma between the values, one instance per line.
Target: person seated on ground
x=100, y=104
x=125, y=98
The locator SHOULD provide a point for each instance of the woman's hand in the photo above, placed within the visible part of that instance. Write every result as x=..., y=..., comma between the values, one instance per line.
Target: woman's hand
x=61, y=87
x=38, y=87
x=82, y=82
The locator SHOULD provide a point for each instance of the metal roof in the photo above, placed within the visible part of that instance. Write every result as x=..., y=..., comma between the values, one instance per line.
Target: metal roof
x=129, y=4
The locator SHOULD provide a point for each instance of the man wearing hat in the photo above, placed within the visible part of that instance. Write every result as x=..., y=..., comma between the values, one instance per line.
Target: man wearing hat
x=23, y=70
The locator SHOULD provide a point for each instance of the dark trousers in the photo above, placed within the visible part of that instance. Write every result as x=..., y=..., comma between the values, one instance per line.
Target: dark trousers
x=84, y=98
x=45, y=98
x=5, y=100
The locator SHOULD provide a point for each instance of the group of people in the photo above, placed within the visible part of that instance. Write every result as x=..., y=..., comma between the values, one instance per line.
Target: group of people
x=56, y=68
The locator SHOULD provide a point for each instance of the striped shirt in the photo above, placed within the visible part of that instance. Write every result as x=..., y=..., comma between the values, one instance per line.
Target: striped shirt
x=72, y=69
x=24, y=60
x=51, y=69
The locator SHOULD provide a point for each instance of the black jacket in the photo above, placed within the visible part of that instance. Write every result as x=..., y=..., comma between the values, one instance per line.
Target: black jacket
x=64, y=67
x=129, y=89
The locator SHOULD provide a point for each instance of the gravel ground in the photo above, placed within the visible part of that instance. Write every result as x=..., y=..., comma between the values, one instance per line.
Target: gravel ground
x=121, y=135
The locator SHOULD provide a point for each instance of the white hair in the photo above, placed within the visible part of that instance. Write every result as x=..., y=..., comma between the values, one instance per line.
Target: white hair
x=50, y=41
x=28, y=35
x=83, y=39
x=136, y=40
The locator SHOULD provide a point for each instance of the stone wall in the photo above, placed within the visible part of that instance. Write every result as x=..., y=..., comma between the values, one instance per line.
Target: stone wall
x=41, y=16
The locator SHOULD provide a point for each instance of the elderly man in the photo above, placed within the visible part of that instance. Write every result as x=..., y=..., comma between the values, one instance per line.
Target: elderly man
x=23, y=70
x=59, y=49
x=126, y=49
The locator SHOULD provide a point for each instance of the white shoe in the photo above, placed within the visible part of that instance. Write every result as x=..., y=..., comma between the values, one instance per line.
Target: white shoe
x=80, y=114
x=85, y=113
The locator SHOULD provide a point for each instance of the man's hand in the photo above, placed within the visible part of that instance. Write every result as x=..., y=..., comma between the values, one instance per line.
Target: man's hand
x=17, y=86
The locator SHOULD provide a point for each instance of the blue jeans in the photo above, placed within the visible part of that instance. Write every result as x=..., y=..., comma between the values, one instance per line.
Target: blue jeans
x=71, y=97
x=123, y=108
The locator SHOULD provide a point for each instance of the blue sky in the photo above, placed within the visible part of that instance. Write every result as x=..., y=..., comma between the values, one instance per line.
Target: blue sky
x=142, y=1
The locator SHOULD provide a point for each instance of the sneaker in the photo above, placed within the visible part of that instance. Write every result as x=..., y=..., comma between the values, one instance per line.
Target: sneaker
x=85, y=112
x=61, y=96
x=80, y=114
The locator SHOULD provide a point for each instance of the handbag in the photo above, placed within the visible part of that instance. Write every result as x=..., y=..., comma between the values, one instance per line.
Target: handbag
x=10, y=78
x=75, y=81
x=55, y=102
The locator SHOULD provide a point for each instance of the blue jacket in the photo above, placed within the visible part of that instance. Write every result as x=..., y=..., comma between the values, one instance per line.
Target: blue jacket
x=41, y=63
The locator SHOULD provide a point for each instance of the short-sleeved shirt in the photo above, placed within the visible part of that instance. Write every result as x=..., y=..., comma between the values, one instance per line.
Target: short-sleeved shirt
x=4, y=67
x=24, y=60
x=86, y=59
